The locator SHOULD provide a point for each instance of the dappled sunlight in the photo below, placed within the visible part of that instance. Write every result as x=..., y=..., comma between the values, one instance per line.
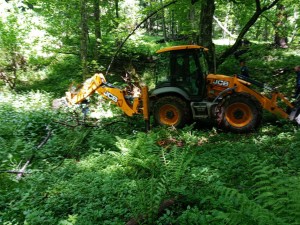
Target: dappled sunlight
x=103, y=110
x=292, y=53
x=204, y=174
x=31, y=28
x=124, y=145
x=29, y=101
x=100, y=163
x=280, y=136
x=224, y=41
x=130, y=8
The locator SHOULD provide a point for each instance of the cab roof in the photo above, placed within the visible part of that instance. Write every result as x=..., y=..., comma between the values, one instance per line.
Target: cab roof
x=181, y=47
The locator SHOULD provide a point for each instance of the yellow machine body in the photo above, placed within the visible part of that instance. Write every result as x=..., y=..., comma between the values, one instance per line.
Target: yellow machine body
x=230, y=100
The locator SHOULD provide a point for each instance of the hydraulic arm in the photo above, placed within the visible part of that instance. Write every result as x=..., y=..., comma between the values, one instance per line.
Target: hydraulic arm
x=130, y=105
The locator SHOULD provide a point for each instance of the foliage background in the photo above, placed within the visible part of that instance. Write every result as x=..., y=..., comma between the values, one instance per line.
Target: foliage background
x=105, y=169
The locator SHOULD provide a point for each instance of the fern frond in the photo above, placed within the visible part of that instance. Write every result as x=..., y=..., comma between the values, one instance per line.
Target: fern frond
x=277, y=192
x=241, y=207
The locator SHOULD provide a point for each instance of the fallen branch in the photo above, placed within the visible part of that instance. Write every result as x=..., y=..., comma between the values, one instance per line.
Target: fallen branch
x=79, y=123
x=66, y=124
x=11, y=171
x=21, y=172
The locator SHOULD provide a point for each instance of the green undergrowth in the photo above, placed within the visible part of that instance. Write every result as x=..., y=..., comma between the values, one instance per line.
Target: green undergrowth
x=112, y=172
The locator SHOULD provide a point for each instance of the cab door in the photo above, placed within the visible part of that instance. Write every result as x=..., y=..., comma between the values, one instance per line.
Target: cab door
x=186, y=72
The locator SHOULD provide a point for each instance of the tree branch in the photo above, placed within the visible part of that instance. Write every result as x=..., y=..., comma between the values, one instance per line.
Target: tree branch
x=11, y=171
x=137, y=27
x=45, y=140
x=21, y=172
x=271, y=5
x=245, y=29
x=78, y=123
x=223, y=27
x=258, y=6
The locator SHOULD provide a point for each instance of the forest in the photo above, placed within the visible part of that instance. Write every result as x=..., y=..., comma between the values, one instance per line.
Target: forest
x=73, y=165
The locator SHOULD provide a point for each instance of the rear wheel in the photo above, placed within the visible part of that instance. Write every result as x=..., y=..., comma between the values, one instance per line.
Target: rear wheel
x=171, y=111
x=240, y=113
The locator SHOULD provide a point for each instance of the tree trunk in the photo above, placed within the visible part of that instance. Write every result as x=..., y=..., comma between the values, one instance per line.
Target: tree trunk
x=163, y=22
x=15, y=67
x=172, y=25
x=151, y=20
x=280, y=39
x=117, y=8
x=84, y=38
x=194, y=23
x=206, y=30
x=97, y=29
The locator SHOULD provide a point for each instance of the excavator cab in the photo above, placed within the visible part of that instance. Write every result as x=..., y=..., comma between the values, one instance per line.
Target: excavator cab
x=184, y=71
x=177, y=98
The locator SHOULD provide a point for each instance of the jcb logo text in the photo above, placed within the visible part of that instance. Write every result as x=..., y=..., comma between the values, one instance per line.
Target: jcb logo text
x=223, y=83
x=111, y=96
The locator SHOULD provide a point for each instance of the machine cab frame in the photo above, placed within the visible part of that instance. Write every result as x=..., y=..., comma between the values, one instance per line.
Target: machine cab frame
x=186, y=70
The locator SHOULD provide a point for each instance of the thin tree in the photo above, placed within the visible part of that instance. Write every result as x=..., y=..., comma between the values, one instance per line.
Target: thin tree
x=206, y=30
x=84, y=38
x=280, y=39
x=97, y=28
x=117, y=8
x=163, y=22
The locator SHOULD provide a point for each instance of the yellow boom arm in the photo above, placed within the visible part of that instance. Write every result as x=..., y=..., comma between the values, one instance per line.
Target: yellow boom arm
x=128, y=104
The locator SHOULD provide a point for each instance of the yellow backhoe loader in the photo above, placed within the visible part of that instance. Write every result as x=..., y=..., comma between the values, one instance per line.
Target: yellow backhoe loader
x=187, y=93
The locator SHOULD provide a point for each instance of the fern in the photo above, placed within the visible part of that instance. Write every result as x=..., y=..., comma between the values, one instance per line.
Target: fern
x=178, y=164
x=293, y=208
x=240, y=207
x=272, y=190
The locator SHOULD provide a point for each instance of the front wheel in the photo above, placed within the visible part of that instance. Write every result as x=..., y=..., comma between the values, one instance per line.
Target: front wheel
x=240, y=113
x=171, y=111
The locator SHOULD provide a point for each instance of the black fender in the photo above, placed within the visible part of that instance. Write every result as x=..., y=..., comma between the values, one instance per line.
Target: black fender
x=168, y=91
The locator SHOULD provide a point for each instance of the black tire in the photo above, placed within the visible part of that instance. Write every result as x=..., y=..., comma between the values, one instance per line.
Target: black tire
x=240, y=113
x=171, y=111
